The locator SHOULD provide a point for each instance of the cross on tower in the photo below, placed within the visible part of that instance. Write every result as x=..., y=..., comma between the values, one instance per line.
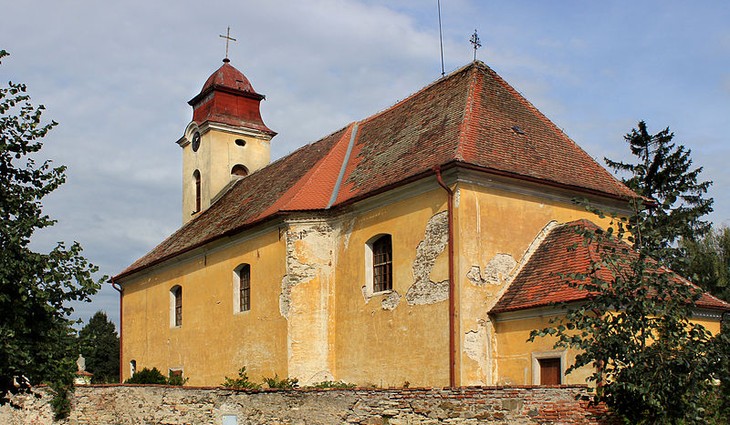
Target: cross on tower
x=474, y=40
x=228, y=38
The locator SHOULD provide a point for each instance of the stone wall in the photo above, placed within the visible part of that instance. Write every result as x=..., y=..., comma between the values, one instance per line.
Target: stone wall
x=131, y=404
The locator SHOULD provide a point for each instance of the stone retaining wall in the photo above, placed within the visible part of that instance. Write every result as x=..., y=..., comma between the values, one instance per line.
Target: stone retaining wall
x=132, y=404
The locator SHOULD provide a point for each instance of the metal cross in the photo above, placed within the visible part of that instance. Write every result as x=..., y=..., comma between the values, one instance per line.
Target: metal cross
x=474, y=40
x=228, y=38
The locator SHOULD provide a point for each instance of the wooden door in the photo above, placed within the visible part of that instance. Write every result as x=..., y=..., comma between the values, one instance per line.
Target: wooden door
x=549, y=371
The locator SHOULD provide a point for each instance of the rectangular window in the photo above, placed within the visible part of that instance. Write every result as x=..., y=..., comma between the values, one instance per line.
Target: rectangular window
x=383, y=264
x=177, y=293
x=244, y=276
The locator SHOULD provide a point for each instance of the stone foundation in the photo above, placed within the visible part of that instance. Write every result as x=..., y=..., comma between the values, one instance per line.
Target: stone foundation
x=132, y=404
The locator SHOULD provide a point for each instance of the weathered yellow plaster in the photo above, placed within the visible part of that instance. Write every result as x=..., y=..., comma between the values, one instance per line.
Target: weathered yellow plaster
x=213, y=341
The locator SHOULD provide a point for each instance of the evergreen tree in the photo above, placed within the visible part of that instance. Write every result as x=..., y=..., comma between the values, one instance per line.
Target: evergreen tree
x=99, y=344
x=708, y=262
x=663, y=174
x=36, y=337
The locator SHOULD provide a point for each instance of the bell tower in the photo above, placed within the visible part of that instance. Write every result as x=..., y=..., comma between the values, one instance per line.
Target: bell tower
x=226, y=140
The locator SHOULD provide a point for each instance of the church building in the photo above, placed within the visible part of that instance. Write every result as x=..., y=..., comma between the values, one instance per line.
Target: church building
x=419, y=245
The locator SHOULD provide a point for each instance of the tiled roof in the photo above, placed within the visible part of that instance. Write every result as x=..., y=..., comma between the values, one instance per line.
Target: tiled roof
x=543, y=281
x=471, y=118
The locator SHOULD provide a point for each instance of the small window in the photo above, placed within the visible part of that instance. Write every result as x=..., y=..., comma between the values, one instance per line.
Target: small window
x=176, y=306
x=196, y=178
x=240, y=142
x=382, y=264
x=132, y=367
x=239, y=170
x=242, y=287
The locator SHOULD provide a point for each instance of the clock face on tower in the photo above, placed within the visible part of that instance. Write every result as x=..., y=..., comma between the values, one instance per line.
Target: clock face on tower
x=196, y=141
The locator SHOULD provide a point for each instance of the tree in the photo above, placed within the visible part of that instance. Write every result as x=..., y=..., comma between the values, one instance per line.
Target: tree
x=663, y=173
x=708, y=262
x=36, y=337
x=99, y=344
x=650, y=363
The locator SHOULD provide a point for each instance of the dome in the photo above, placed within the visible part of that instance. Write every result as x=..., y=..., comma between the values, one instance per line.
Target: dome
x=229, y=77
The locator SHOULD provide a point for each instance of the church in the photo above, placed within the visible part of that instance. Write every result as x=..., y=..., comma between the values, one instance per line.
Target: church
x=417, y=246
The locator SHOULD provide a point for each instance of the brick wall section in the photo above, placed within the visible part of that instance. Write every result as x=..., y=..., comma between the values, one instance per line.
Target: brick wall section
x=129, y=404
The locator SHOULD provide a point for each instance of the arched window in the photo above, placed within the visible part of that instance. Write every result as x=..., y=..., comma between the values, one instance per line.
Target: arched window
x=379, y=264
x=242, y=288
x=176, y=305
x=239, y=170
x=196, y=178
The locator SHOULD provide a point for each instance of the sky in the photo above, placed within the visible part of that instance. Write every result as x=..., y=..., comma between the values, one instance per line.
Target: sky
x=117, y=77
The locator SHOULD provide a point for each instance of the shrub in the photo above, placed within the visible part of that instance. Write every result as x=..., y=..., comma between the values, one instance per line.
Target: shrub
x=242, y=382
x=154, y=376
x=333, y=384
x=283, y=383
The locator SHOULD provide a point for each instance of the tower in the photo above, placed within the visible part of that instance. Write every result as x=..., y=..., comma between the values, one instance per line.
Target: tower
x=226, y=140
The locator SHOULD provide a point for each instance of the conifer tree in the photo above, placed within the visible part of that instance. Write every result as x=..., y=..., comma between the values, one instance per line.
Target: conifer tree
x=36, y=337
x=663, y=173
x=99, y=344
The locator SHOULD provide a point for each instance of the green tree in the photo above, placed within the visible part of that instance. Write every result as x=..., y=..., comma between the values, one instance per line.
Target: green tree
x=663, y=173
x=36, y=338
x=650, y=363
x=708, y=262
x=99, y=344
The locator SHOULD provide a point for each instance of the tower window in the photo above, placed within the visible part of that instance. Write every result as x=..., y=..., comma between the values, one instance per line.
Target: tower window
x=176, y=306
x=240, y=142
x=196, y=178
x=242, y=288
x=239, y=170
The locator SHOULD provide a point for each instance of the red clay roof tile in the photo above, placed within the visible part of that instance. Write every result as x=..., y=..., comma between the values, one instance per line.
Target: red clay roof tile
x=543, y=280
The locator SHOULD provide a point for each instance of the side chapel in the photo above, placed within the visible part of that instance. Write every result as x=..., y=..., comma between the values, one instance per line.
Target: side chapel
x=420, y=244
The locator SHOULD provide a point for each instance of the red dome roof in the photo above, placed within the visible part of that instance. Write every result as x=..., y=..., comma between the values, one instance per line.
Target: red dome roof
x=229, y=77
x=227, y=97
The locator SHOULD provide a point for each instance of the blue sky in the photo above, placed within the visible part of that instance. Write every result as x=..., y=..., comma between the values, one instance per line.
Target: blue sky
x=117, y=77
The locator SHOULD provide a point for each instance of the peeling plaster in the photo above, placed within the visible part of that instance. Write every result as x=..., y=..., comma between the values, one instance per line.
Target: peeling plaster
x=391, y=301
x=302, y=267
x=475, y=347
x=495, y=272
x=348, y=228
x=424, y=290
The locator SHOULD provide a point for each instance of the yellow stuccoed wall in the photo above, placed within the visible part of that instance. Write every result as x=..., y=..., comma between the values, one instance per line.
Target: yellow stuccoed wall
x=495, y=230
x=515, y=355
x=213, y=341
x=383, y=340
